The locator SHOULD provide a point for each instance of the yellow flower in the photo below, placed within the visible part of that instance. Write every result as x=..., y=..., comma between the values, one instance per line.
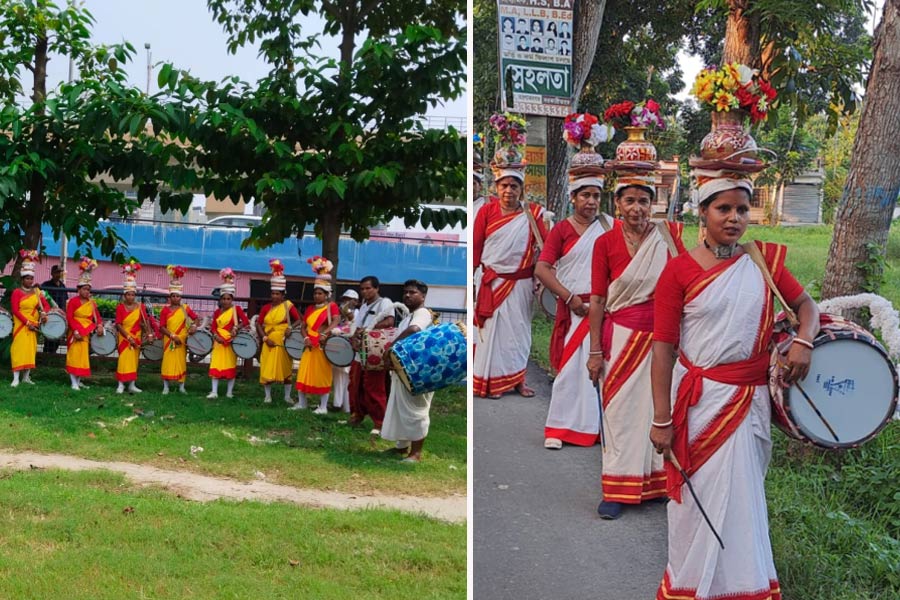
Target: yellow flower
x=724, y=101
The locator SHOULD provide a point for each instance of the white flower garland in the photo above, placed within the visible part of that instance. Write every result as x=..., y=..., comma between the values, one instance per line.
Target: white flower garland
x=884, y=318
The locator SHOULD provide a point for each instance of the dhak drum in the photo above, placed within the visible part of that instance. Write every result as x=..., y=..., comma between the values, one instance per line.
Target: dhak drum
x=153, y=350
x=294, y=344
x=6, y=323
x=339, y=351
x=105, y=344
x=245, y=344
x=200, y=343
x=373, y=344
x=548, y=303
x=55, y=327
x=848, y=396
x=431, y=359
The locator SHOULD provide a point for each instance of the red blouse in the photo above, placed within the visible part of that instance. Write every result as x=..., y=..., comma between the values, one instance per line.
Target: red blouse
x=611, y=256
x=558, y=243
x=487, y=218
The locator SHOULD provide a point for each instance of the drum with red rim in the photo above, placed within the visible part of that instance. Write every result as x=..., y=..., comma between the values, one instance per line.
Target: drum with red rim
x=848, y=396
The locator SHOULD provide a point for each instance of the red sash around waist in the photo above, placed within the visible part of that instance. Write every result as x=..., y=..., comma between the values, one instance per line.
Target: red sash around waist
x=746, y=373
x=488, y=299
x=638, y=317
x=561, y=327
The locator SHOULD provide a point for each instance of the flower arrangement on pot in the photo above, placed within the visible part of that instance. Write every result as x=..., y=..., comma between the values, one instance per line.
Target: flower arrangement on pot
x=734, y=93
x=635, y=118
x=734, y=87
x=582, y=131
x=509, y=138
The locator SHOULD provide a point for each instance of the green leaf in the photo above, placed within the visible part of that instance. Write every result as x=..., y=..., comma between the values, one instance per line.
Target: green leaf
x=162, y=78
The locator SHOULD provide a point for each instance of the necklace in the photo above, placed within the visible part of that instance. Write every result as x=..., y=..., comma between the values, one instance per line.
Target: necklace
x=580, y=222
x=721, y=252
x=636, y=243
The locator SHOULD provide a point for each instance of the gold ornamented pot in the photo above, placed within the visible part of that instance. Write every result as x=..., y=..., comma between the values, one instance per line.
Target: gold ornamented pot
x=729, y=138
x=636, y=147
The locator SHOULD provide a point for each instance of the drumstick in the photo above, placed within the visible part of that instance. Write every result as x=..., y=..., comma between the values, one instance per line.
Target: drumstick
x=687, y=480
x=600, y=403
x=815, y=409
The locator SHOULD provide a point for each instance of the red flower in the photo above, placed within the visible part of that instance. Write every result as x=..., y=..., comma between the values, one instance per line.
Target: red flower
x=652, y=106
x=745, y=98
x=756, y=115
x=767, y=89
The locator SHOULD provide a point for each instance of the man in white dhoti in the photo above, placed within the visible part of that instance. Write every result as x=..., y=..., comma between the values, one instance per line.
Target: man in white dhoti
x=564, y=268
x=506, y=235
x=406, y=420
x=625, y=267
x=713, y=412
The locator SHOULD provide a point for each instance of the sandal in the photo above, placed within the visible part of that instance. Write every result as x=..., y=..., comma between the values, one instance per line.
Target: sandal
x=495, y=396
x=525, y=391
x=553, y=444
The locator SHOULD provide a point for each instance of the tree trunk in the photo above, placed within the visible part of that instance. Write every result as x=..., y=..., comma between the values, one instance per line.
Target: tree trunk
x=34, y=208
x=331, y=235
x=873, y=182
x=741, y=35
x=588, y=19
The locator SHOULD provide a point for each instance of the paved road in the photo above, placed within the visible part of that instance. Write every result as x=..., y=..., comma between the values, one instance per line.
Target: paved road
x=536, y=533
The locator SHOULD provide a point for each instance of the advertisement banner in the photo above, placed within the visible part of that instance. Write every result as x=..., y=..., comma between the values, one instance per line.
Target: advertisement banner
x=535, y=56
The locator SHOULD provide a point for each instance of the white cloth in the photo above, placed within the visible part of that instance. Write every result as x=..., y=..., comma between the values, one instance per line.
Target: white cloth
x=721, y=326
x=573, y=399
x=406, y=417
x=340, y=377
x=504, y=343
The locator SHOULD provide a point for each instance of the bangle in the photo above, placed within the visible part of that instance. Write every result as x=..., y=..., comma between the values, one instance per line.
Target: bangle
x=595, y=352
x=569, y=299
x=665, y=424
x=803, y=342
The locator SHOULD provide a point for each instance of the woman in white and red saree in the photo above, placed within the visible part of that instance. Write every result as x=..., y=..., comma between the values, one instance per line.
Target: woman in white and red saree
x=505, y=247
x=564, y=268
x=626, y=266
x=713, y=412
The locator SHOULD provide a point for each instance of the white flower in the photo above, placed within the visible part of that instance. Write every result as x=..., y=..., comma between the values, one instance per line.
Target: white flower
x=745, y=73
x=597, y=135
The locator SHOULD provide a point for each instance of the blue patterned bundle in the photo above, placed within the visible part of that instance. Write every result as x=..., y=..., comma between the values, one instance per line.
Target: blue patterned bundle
x=431, y=359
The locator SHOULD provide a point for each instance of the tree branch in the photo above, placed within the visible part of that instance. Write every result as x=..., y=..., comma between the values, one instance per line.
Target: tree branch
x=367, y=7
x=28, y=66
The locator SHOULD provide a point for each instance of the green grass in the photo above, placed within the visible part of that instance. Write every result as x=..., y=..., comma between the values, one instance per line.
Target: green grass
x=290, y=447
x=834, y=516
x=91, y=536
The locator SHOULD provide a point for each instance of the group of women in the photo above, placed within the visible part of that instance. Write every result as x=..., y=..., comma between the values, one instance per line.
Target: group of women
x=660, y=352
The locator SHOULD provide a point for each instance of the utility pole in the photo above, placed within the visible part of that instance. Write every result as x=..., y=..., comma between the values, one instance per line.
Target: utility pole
x=64, y=242
x=149, y=68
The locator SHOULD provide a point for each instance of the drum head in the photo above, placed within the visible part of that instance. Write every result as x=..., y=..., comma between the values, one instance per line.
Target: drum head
x=104, y=345
x=55, y=327
x=548, y=303
x=6, y=324
x=294, y=344
x=853, y=385
x=153, y=351
x=245, y=345
x=339, y=351
x=200, y=343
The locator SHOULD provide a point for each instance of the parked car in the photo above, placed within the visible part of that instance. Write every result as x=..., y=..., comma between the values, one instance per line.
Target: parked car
x=235, y=221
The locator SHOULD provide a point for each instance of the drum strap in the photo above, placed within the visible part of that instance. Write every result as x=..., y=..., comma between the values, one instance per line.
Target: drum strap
x=538, y=240
x=603, y=222
x=753, y=250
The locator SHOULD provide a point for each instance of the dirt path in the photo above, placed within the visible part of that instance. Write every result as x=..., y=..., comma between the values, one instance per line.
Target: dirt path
x=204, y=488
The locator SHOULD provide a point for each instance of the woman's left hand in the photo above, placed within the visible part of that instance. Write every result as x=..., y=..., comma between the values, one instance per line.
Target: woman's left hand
x=797, y=365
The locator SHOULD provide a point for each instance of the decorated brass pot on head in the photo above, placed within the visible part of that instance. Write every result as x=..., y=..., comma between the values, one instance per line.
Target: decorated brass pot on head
x=635, y=118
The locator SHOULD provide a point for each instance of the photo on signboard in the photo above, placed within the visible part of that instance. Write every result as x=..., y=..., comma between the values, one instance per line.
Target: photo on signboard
x=537, y=27
x=564, y=48
x=508, y=25
x=551, y=46
x=565, y=31
x=537, y=45
x=552, y=29
x=509, y=42
x=523, y=44
x=522, y=26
